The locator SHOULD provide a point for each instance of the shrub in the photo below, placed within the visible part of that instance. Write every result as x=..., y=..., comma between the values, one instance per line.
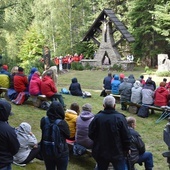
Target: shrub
x=117, y=67
x=77, y=66
x=146, y=68
x=88, y=66
x=163, y=73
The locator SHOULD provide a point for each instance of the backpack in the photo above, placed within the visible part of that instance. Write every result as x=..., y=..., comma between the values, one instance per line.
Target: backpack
x=51, y=143
x=64, y=91
x=21, y=98
x=45, y=105
x=4, y=81
x=143, y=111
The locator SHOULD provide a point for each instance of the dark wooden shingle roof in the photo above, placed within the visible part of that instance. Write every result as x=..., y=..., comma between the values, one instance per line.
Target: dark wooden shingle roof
x=117, y=23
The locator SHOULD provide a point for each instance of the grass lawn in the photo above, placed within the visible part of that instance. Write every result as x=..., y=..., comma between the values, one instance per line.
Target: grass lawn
x=92, y=81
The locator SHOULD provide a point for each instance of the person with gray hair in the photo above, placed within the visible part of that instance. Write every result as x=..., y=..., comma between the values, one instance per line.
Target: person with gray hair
x=110, y=135
x=138, y=153
x=82, y=126
x=125, y=92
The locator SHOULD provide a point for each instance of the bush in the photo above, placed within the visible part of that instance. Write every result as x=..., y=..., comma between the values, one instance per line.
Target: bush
x=117, y=67
x=88, y=66
x=163, y=73
x=77, y=66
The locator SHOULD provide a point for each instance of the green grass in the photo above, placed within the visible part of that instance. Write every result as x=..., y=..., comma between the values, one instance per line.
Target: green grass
x=91, y=81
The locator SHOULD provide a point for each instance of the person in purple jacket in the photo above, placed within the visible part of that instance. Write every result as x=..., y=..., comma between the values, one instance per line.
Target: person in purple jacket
x=82, y=126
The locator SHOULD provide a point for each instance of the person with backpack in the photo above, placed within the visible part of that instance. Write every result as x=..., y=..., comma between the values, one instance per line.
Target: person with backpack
x=55, y=131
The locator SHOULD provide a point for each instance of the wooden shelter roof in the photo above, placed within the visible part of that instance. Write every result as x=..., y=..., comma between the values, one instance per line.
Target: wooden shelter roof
x=117, y=23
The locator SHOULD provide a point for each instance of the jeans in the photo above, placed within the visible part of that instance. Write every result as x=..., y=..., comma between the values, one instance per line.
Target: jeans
x=118, y=164
x=59, y=97
x=60, y=163
x=147, y=158
x=6, y=167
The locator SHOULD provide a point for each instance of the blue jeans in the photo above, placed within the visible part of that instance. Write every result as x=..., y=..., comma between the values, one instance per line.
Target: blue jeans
x=60, y=163
x=147, y=158
x=118, y=165
x=6, y=167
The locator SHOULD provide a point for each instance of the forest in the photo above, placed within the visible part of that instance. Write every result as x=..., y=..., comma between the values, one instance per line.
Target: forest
x=27, y=26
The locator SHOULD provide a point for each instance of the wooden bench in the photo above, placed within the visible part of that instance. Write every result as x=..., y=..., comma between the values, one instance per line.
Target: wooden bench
x=37, y=100
x=137, y=106
x=3, y=93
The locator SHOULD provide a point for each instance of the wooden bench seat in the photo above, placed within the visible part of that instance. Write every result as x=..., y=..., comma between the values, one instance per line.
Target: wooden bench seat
x=3, y=92
x=37, y=100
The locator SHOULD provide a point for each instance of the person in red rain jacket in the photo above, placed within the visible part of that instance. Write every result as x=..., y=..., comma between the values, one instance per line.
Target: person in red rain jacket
x=161, y=95
x=20, y=81
x=48, y=88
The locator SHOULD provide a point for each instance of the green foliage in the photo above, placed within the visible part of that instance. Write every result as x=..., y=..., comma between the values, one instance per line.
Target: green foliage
x=146, y=68
x=88, y=66
x=31, y=48
x=163, y=74
x=77, y=66
x=116, y=67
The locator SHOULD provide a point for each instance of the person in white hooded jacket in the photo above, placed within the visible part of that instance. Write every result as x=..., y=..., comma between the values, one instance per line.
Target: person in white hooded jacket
x=29, y=148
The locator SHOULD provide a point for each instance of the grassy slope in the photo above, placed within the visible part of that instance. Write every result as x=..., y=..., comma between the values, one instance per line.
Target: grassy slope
x=92, y=81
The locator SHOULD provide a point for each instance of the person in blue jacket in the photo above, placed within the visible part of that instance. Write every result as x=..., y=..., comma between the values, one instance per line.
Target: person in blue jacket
x=115, y=85
x=9, y=144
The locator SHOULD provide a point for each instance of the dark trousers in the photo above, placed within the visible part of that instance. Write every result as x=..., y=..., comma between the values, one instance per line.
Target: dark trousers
x=118, y=164
x=59, y=97
x=35, y=153
x=60, y=163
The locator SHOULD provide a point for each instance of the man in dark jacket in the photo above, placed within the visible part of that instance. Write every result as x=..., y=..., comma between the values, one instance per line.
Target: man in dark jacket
x=111, y=136
x=9, y=144
x=138, y=153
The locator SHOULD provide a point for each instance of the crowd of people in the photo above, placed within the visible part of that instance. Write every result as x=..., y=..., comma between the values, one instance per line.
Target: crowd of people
x=110, y=142
x=138, y=90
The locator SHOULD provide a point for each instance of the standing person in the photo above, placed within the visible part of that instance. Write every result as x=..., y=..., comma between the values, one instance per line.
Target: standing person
x=138, y=153
x=71, y=117
x=46, y=57
x=55, y=112
x=82, y=126
x=48, y=88
x=111, y=136
x=20, y=81
x=125, y=93
x=75, y=88
x=9, y=144
x=29, y=148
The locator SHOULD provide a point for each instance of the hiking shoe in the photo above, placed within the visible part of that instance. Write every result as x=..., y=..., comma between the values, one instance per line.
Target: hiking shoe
x=22, y=165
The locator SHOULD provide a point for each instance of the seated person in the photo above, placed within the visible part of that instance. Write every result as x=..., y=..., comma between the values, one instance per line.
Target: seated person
x=29, y=148
x=35, y=84
x=82, y=126
x=71, y=117
x=75, y=88
x=48, y=88
x=136, y=92
x=138, y=153
x=115, y=85
x=4, y=70
x=20, y=81
x=32, y=71
x=161, y=95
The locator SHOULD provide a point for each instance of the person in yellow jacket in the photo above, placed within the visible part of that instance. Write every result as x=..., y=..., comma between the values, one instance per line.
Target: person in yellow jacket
x=71, y=117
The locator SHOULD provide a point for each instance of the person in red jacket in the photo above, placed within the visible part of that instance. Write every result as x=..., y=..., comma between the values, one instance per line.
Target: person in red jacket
x=35, y=84
x=20, y=81
x=161, y=95
x=48, y=88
